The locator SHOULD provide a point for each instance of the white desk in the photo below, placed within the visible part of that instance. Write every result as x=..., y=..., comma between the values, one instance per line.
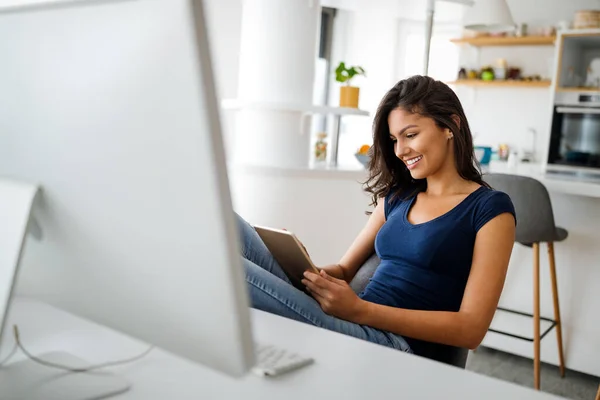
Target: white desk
x=345, y=367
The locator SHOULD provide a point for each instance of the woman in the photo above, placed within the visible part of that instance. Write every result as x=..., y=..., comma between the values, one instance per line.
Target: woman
x=443, y=235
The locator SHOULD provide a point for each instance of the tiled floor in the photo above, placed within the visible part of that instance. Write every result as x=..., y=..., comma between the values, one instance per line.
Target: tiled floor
x=519, y=370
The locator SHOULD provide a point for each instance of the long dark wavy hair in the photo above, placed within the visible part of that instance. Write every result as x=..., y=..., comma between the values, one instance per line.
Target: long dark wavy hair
x=429, y=98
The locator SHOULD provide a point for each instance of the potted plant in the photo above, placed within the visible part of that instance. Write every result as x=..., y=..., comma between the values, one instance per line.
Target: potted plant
x=348, y=94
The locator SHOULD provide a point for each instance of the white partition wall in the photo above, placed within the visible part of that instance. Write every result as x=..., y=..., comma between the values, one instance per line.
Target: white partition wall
x=277, y=67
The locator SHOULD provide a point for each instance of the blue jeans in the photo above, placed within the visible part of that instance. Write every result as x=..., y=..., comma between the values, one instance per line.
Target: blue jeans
x=271, y=291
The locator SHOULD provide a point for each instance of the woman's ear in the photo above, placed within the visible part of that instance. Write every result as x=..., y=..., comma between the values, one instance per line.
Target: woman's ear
x=456, y=120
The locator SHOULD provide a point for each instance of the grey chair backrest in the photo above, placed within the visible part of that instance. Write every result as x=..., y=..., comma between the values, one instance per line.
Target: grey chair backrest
x=535, y=220
x=451, y=355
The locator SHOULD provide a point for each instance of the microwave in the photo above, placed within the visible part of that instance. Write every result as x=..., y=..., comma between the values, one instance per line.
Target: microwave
x=575, y=135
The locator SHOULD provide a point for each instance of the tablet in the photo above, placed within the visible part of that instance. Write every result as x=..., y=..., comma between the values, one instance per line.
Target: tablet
x=289, y=253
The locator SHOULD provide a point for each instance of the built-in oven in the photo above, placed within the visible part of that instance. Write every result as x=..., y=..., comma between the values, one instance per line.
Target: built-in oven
x=575, y=135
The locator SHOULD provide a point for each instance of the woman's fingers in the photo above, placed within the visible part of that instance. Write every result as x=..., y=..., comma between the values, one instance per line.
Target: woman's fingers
x=314, y=294
x=330, y=278
x=314, y=288
x=317, y=279
x=320, y=299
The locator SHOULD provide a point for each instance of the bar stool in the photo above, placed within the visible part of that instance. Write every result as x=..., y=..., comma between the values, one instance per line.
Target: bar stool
x=598, y=394
x=535, y=225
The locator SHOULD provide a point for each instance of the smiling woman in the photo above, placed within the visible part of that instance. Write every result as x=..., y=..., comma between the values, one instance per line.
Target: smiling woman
x=419, y=115
x=444, y=237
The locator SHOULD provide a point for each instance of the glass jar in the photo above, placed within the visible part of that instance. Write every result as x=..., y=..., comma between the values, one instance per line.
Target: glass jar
x=321, y=147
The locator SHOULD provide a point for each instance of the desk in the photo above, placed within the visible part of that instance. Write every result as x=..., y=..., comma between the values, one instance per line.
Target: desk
x=345, y=368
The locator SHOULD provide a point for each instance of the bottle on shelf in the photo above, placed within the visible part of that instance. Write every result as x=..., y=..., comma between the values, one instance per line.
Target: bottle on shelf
x=321, y=148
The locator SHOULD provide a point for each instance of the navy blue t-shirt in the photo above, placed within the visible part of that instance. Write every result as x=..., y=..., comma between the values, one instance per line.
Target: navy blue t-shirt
x=426, y=266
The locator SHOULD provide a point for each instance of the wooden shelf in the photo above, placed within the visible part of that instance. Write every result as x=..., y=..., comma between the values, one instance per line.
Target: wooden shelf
x=507, y=41
x=523, y=84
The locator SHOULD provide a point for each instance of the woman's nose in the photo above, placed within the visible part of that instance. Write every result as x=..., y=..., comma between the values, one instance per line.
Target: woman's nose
x=401, y=149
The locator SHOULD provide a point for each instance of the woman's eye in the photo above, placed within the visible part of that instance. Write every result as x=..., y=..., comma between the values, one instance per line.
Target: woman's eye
x=393, y=139
x=411, y=135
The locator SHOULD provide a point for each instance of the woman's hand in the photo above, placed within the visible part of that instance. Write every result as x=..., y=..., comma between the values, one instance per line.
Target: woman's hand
x=334, y=270
x=334, y=295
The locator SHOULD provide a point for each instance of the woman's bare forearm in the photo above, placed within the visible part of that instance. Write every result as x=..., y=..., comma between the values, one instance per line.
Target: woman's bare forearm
x=334, y=270
x=451, y=328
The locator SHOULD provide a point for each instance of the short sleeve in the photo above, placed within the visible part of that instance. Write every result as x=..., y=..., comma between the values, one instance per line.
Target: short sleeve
x=494, y=204
x=387, y=206
x=390, y=203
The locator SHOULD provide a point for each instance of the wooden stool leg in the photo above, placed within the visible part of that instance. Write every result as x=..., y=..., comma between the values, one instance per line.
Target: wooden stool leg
x=598, y=394
x=558, y=327
x=536, y=316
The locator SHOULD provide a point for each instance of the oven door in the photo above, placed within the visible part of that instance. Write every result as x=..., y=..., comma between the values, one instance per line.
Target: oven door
x=575, y=140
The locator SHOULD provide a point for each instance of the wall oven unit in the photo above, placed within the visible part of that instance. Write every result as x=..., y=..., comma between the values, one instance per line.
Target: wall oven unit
x=575, y=135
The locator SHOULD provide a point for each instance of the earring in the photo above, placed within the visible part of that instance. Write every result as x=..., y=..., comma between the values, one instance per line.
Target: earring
x=450, y=136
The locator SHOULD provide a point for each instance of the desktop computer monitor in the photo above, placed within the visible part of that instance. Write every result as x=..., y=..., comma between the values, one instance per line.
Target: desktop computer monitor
x=110, y=106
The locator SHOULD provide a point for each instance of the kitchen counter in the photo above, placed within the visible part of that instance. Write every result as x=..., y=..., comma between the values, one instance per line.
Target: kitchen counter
x=553, y=184
x=358, y=174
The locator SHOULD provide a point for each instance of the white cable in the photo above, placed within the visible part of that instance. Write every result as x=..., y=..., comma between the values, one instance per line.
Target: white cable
x=70, y=369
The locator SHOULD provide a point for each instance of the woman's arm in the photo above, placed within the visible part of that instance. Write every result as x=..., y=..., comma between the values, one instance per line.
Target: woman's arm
x=361, y=249
x=468, y=326
x=465, y=328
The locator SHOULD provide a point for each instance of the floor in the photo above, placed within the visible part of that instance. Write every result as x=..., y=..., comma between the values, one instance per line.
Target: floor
x=519, y=370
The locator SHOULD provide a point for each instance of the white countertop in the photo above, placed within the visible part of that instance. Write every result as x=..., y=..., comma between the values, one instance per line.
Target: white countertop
x=553, y=184
x=356, y=173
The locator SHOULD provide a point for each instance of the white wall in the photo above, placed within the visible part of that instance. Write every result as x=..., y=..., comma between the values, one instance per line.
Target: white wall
x=543, y=12
x=366, y=37
x=534, y=12
x=224, y=22
x=405, y=9
x=224, y=19
x=326, y=212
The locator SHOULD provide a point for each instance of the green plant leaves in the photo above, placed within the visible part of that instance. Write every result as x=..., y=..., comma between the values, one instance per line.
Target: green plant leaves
x=345, y=74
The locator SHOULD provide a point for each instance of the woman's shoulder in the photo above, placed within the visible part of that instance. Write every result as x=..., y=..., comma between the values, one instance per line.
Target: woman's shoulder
x=489, y=204
x=396, y=197
x=490, y=197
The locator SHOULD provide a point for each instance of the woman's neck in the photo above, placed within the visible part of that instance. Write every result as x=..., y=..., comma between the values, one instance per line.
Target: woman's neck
x=447, y=182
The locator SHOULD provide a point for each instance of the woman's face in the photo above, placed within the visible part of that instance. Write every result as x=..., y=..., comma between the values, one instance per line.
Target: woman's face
x=424, y=147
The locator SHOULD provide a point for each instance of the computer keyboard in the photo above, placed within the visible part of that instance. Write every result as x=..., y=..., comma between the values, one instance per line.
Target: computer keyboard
x=273, y=361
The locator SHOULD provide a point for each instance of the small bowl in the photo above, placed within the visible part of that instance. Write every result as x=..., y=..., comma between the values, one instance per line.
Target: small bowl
x=363, y=159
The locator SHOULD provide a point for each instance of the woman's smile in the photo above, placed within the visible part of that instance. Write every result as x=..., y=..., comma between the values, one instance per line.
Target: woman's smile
x=412, y=162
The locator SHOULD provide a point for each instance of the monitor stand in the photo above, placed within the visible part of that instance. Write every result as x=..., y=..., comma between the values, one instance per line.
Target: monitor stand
x=16, y=204
x=28, y=380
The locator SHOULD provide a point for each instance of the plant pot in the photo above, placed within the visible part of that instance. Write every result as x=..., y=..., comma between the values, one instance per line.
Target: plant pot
x=349, y=96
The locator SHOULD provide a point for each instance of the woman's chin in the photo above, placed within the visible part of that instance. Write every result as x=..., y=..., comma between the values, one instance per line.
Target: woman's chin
x=416, y=174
